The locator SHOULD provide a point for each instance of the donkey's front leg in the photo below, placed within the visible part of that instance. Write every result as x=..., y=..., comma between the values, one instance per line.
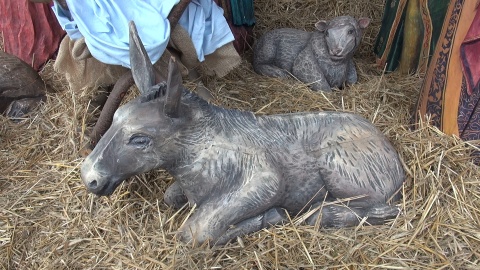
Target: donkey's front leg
x=271, y=217
x=174, y=196
x=217, y=214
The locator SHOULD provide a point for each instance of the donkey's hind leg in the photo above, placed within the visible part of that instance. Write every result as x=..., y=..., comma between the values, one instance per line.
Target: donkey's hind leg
x=348, y=216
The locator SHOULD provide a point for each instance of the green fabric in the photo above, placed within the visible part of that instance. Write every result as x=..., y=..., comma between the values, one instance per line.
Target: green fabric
x=438, y=10
x=389, y=31
x=388, y=19
x=396, y=50
x=242, y=12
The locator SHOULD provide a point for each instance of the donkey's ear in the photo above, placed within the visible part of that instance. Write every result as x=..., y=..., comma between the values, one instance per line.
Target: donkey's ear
x=142, y=68
x=321, y=25
x=174, y=89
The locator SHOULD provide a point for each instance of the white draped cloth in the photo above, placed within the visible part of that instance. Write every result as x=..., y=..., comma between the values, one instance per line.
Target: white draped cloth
x=104, y=25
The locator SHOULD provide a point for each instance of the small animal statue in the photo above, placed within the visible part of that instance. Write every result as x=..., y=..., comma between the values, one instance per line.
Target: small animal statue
x=243, y=171
x=21, y=88
x=322, y=59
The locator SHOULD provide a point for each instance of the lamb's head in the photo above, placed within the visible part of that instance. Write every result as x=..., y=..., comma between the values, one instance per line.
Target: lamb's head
x=143, y=132
x=342, y=35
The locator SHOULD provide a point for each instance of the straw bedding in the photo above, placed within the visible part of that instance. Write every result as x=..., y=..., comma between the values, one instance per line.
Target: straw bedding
x=49, y=221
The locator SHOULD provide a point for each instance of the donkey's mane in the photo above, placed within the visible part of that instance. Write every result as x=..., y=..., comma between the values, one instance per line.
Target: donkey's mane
x=156, y=91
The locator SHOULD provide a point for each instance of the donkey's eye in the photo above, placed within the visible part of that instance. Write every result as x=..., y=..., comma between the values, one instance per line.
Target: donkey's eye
x=350, y=32
x=326, y=33
x=140, y=141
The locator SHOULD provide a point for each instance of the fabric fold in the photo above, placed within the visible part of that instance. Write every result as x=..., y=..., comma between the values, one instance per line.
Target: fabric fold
x=470, y=56
x=104, y=25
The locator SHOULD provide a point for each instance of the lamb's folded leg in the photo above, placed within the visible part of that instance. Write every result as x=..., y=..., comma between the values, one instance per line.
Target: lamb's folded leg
x=307, y=71
x=351, y=73
x=271, y=71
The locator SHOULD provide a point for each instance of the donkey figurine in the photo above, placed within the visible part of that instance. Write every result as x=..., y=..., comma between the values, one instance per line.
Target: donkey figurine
x=244, y=171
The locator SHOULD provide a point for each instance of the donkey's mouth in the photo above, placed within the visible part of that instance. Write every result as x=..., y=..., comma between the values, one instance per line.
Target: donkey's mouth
x=107, y=189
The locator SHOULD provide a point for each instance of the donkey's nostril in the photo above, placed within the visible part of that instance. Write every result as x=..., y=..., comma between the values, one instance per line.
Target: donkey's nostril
x=93, y=184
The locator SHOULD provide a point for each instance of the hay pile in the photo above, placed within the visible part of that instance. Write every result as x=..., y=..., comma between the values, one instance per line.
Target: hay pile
x=48, y=221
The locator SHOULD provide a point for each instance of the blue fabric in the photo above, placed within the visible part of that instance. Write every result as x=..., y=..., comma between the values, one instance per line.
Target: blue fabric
x=104, y=24
x=65, y=19
x=212, y=33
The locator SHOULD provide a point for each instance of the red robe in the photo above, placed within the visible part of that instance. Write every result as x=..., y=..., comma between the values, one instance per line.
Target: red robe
x=30, y=31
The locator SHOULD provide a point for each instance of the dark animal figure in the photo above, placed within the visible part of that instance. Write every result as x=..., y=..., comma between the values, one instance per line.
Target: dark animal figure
x=21, y=88
x=323, y=58
x=242, y=170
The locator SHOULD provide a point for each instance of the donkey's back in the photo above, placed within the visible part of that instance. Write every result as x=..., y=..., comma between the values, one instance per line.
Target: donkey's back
x=332, y=154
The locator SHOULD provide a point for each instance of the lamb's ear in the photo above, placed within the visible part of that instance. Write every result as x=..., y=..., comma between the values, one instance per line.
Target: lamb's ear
x=321, y=25
x=174, y=89
x=142, y=68
x=363, y=22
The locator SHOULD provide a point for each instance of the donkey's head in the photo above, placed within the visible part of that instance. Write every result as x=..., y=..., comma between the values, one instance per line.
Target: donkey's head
x=142, y=134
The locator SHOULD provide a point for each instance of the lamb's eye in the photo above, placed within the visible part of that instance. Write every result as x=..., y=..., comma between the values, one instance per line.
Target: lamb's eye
x=350, y=32
x=140, y=141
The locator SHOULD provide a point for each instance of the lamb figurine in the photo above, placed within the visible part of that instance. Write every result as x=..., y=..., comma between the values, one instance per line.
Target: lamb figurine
x=322, y=59
x=242, y=171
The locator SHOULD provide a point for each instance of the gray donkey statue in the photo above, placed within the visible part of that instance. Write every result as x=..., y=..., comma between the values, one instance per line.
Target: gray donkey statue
x=245, y=172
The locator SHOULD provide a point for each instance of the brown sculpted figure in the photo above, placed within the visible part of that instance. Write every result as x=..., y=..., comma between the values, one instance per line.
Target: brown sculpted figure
x=244, y=171
x=322, y=58
x=21, y=88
